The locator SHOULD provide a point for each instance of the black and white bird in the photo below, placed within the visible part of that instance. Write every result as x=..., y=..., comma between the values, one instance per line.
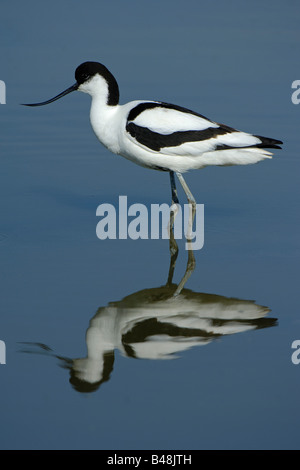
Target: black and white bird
x=159, y=135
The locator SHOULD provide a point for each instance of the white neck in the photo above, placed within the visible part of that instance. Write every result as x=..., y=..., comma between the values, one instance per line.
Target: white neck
x=104, y=124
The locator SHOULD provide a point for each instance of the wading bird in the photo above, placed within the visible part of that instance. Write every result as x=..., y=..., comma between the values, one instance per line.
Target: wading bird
x=159, y=135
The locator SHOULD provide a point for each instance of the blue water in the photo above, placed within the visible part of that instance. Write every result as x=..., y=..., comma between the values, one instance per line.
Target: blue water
x=211, y=369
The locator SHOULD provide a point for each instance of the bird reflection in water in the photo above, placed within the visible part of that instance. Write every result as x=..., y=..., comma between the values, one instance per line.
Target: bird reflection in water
x=158, y=324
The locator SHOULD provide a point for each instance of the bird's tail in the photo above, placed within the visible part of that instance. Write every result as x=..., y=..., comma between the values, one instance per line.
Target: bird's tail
x=268, y=143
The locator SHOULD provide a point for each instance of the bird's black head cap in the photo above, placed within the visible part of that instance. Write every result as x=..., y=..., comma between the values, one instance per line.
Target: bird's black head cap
x=87, y=70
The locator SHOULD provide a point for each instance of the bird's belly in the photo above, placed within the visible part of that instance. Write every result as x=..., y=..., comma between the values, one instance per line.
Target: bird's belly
x=154, y=160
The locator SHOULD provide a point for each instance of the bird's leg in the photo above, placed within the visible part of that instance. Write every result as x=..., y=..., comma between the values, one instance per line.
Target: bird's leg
x=173, y=255
x=175, y=201
x=173, y=188
x=191, y=263
x=187, y=191
x=191, y=201
x=173, y=258
x=191, y=259
x=173, y=211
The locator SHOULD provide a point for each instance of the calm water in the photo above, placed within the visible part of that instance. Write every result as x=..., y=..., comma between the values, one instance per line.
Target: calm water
x=99, y=355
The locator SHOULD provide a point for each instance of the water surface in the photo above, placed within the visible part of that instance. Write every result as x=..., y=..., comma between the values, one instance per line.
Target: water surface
x=99, y=354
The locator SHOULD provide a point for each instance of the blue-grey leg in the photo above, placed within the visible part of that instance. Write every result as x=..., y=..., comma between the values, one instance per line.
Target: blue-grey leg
x=191, y=264
x=191, y=201
x=191, y=259
x=173, y=245
x=175, y=201
x=173, y=188
x=187, y=190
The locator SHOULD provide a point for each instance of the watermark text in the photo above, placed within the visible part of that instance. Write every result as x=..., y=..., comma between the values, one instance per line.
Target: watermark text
x=137, y=222
x=296, y=94
x=296, y=354
x=2, y=92
x=2, y=352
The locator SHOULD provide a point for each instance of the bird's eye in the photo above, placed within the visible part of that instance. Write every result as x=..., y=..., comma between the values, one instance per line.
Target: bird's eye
x=84, y=77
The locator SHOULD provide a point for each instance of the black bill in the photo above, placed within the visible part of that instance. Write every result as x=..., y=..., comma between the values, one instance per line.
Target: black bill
x=57, y=97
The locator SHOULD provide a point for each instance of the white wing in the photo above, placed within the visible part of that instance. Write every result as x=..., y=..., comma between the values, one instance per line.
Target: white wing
x=166, y=120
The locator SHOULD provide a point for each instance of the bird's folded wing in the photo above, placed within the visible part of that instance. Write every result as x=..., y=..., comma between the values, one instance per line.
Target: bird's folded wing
x=170, y=129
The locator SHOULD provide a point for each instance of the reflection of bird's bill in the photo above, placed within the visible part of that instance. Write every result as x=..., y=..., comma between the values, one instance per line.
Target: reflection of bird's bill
x=155, y=324
x=158, y=323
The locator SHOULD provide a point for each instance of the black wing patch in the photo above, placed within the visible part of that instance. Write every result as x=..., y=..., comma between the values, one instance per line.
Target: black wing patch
x=156, y=141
